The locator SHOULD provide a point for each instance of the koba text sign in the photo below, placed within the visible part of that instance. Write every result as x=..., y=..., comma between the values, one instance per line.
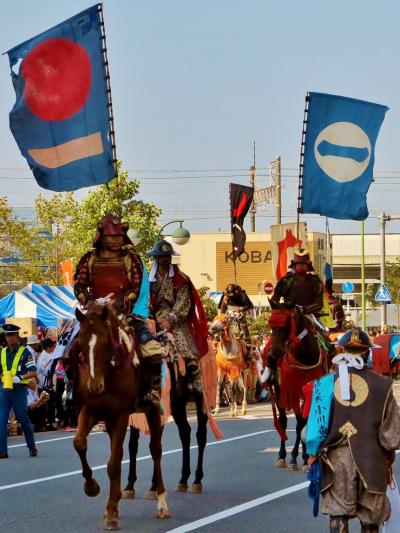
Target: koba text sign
x=254, y=264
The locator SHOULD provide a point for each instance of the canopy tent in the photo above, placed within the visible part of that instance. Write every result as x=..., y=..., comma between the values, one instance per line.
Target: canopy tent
x=46, y=303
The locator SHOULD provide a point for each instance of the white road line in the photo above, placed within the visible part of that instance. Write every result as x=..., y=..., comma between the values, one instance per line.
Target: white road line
x=191, y=526
x=54, y=440
x=143, y=458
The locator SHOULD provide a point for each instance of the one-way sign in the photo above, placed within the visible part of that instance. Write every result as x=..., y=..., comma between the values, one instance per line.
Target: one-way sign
x=383, y=295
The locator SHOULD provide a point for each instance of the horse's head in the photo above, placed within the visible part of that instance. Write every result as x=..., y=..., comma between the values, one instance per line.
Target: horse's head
x=285, y=322
x=95, y=344
x=219, y=325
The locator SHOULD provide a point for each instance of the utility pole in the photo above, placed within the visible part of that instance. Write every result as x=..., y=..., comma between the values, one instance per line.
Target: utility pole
x=278, y=199
x=252, y=177
x=382, y=223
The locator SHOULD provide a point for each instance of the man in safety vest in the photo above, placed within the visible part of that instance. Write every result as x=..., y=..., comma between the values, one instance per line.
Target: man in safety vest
x=16, y=368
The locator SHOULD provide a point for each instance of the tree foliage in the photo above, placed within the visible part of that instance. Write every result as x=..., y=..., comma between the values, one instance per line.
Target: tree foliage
x=259, y=325
x=392, y=283
x=64, y=228
x=210, y=307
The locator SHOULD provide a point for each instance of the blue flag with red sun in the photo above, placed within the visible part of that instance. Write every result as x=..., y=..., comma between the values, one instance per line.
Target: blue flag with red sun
x=62, y=117
x=338, y=154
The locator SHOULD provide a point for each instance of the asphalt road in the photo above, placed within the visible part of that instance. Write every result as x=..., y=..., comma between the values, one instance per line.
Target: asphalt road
x=243, y=491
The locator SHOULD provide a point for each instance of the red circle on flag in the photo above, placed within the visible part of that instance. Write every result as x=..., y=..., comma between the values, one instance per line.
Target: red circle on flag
x=268, y=289
x=57, y=76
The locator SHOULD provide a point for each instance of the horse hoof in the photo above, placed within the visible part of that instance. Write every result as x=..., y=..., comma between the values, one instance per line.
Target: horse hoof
x=150, y=495
x=181, y=487
x=128, y=494
x=91, y=488
x=197, y=488
x=280, y=463
x=244, y=412
x=163, y=513
x=293, y=467
x=216, y=411
x=111, y=525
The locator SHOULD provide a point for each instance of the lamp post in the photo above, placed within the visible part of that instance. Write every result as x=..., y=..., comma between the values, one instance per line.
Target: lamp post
x=180, y=236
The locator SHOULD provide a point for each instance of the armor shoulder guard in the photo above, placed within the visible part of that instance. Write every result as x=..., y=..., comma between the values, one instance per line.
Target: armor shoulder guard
x=83, y=262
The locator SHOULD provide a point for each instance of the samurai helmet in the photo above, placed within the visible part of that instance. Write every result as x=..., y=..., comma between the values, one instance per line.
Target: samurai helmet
x=356, y=338
x=111, y=225
x=301, y=255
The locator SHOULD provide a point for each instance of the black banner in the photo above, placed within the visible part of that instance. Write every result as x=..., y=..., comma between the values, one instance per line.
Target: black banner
x=240, y=198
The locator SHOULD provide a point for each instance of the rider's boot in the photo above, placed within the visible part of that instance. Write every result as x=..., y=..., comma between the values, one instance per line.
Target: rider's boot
x=194, y=375
x=151, y=385
x=339, y=524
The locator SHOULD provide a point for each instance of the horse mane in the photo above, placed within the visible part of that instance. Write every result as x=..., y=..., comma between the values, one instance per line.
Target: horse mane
x=116, y=335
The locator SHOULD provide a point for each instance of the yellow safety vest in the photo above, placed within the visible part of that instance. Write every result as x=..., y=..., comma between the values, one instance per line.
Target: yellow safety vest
x=15, y=363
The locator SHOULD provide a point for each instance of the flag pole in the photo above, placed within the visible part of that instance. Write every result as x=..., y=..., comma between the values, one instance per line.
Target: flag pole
x=363, y=317
x=301, y=164
x=110, y=108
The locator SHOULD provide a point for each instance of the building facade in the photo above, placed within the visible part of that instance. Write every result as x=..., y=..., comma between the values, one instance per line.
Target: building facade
x=207, y=259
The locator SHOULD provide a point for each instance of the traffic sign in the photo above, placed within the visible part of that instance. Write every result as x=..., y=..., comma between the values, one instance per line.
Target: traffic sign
x=383, y=295
x=268, y=289
x=348, y=296
x=348, y=286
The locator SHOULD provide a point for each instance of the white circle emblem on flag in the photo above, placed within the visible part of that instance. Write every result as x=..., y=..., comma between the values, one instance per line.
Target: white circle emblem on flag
x=343, y=151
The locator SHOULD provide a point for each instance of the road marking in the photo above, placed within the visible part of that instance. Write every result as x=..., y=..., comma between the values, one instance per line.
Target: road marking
x=191, y=526
x=54, y=440
x=142, y=458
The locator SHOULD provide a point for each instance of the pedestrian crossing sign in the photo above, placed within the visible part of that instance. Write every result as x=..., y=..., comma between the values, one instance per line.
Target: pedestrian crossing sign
x=383, y=295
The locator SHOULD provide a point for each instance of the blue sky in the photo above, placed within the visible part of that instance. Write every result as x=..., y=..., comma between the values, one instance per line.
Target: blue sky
x=195, y=83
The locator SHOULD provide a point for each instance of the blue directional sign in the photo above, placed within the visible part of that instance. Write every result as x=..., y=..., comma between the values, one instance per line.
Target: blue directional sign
x=347, y=286
x=383, y=295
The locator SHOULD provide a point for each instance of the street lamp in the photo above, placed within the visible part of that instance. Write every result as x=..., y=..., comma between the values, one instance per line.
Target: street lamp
x=180, y=236
x=134, y=236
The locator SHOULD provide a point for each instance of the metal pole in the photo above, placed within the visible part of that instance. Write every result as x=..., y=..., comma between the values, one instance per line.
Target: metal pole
x=278, y=199
x=363, y=317
x=382, y=222
x=252, y=177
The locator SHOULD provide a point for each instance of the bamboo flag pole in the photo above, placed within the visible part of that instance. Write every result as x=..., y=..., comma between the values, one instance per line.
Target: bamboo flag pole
x=363, y=317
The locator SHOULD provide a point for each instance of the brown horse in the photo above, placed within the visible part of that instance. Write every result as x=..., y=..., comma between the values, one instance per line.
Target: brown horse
x=231, y=362
x=296, y=357
x=108, y=390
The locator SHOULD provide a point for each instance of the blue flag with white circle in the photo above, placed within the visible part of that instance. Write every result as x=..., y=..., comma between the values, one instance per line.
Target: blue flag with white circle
x=338, y=155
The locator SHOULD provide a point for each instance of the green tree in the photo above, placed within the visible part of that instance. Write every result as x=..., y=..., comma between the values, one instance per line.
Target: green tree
x=259, y=325
x=117, y=197
x=210, y=307
x=370, y=291
x=392, y=283
x=64, y=228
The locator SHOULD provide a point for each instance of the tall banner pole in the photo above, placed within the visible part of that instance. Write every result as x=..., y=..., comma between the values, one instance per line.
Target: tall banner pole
x=301, y=165
x=363, y=317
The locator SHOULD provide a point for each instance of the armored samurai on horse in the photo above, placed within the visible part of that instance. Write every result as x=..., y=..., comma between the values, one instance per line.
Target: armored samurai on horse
x=299, y=351
x=111, y=381
x=234, y=345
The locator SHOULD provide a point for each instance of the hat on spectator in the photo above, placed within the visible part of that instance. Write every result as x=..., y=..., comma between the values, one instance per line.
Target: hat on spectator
x=9, y=329
x=32, y=339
